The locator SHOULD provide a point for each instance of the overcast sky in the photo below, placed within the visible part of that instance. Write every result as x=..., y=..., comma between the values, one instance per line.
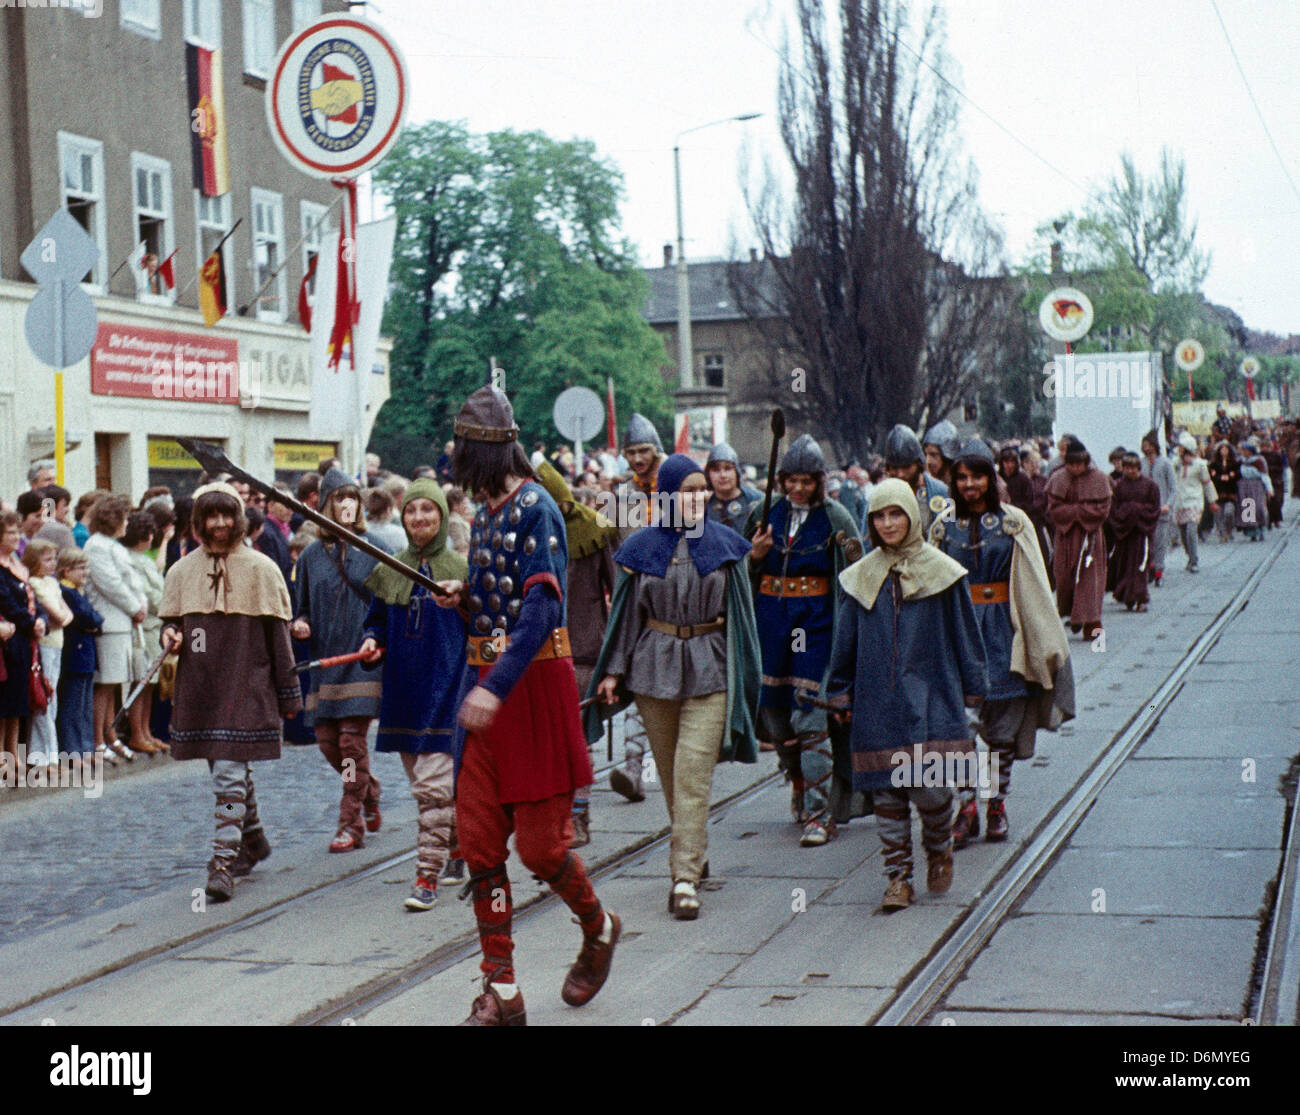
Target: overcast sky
x=1074, y=83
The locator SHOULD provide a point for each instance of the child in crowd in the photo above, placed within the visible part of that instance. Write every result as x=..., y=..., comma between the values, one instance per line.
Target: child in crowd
x=76, y=716
x=41, y=557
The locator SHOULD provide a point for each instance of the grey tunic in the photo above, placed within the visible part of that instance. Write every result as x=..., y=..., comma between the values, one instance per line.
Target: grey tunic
x=656, y=664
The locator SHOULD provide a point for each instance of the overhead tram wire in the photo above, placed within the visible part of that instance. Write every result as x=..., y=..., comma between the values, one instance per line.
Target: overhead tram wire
x=1251, y=94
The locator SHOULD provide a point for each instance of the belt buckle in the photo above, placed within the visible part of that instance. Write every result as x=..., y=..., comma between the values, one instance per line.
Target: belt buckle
x=489, y=649
x=987, y=592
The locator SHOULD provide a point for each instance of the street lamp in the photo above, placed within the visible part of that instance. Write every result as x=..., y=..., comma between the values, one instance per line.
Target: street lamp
x=685, y=357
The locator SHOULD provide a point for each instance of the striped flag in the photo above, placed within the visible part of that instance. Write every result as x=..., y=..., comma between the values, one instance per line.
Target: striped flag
x=212, y=288
x=207, y=120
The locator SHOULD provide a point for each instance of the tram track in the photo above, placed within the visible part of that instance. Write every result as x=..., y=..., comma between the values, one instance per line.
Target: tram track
x=924, y=990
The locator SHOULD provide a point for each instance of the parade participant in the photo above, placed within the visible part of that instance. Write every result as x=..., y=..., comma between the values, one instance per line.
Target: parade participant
x=524, y=751
x=1160, y=469
x=424, y=664
x=808, y=541
x=907, y=661
x=644, y=453
x=1078, y=501
x=1225, y=471
x=941, y=445
x=1254, y=490
x=1195, y=492
x=592, y=539
x=1275, y=458
x=905, y=461
x=1222, y=423
x=682, y=643
x=849, y=496
x=1134, y=518
x=1020, y=492
x=730, y=499
x=1031, y=685
x=225, y=610
x=331, y=602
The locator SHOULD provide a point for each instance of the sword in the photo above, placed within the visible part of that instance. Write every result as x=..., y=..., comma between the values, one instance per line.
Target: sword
x=214, y=461
x=154, y=667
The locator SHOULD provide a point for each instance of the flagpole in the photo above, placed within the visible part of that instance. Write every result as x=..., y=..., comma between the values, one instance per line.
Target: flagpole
x=243, y=310
x=186, y=288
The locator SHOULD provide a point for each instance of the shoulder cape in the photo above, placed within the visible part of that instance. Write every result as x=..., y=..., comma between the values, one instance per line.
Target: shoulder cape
x=242, y=582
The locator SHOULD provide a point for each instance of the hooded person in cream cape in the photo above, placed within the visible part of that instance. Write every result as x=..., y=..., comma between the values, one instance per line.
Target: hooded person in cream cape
x=907, y=662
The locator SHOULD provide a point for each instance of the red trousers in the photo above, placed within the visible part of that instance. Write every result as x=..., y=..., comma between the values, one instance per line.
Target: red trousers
x=542, y=830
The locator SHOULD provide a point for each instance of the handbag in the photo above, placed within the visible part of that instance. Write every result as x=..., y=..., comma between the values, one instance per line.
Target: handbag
x=39, y=689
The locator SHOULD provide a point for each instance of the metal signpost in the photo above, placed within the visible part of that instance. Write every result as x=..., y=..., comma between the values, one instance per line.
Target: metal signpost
x=579, y=415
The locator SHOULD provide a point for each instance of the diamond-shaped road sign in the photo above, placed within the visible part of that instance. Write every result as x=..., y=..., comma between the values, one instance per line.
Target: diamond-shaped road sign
x=61, y=323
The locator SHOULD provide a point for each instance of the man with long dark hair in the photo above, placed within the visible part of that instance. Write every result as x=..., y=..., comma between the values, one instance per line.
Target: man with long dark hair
x=226, y=611
x=524, y=749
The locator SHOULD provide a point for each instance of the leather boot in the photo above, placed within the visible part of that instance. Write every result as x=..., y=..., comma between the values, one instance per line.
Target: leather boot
x=252, y=850
x=589, y=971
x=938, y=876
x=490, y=1009
x=967, y=825
x=221, y=884
x=626, y=780
x=997, y=818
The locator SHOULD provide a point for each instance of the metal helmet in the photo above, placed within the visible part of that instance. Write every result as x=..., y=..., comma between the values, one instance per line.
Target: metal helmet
x=641, y=431
x=944, y=436
x=803, y=456
x=976, y=449
x=723, y=453
x=902, y=448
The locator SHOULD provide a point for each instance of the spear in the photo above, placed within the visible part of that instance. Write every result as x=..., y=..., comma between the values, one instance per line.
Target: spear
x=214, y=461
x=335, y=660
x=778, y=432
x=140, y=687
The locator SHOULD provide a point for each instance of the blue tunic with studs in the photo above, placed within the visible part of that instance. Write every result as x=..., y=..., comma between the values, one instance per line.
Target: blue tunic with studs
x=985, y=547
x=518, y=560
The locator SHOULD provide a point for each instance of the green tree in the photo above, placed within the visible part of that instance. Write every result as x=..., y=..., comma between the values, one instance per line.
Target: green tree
x=508, y=248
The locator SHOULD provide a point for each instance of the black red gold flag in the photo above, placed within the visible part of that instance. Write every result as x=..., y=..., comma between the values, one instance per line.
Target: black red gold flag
x=207, y=120
x=212, y=288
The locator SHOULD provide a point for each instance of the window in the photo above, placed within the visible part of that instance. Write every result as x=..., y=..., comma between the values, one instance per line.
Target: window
x=713, y=370
x=315, y=228
x=81, y=167
x=212, y=219
x=152, y=194
x=259, y=37
x=203, y=22
x=142, y=17
x=268, y=253
x=305, y=12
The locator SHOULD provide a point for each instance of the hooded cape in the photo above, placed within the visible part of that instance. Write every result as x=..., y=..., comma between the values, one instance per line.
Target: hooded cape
x=744, y=668
x=588, y=530
x=242, y=582
x=922, y=569
x=709, y=542
x=444, y=563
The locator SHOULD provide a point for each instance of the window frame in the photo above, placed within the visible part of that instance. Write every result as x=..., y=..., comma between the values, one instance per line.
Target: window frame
x=258, y=17
x=140, y=26
x=299, y=22
x=200, y=225
x=151, y=164
x=84, y=145
x=260, y=197
x=721, y=366
x=309, y=212
x=193, y=22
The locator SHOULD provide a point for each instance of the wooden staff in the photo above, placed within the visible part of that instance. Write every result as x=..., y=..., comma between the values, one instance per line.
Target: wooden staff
x=778, y=432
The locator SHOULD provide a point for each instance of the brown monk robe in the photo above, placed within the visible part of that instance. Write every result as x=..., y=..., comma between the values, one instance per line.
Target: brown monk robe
x=1078, y=501
x=1134, y=513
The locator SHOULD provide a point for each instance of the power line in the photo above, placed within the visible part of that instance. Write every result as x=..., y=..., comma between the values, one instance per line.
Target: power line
x=1251, y=94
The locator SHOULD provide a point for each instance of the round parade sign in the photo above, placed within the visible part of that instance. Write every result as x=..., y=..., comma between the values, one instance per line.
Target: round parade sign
x=337, y=97
x=1065, y=314
x=1250, y=367
x=1189, y=355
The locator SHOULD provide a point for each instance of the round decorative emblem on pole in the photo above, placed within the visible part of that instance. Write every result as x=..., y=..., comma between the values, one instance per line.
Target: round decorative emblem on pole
x=337, y=97
x=1189, y=355
x=1250, y=367
x=1065, y=314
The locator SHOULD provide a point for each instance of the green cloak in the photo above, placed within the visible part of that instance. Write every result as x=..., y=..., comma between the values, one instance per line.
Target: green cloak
x=744, y=668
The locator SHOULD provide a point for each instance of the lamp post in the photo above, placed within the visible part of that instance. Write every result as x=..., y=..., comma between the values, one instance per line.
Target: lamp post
x=685, y=357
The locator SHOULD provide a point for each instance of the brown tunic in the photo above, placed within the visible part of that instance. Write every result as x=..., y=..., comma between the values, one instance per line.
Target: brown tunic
x=1077, y=509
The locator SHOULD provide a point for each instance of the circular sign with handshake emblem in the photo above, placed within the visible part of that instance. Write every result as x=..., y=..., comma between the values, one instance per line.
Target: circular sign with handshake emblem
x=337, y=97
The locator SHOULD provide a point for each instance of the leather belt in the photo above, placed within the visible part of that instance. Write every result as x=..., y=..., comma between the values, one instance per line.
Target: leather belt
x=995, y=592
x=687, y=631
x=483, y=650
x=794, y=586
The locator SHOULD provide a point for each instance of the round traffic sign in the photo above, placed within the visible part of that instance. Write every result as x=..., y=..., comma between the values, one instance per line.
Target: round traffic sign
x=1189, y=355
x=1250, y=367
x=1065, y=314
x=578, y=413
x=337, y=97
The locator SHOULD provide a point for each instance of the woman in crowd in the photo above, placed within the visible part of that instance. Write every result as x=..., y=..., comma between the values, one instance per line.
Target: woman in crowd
x=22, y=624
x=76, y=715
x=139, y=538
x=1225, y=471
x=114, y=590
x=682, y=643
